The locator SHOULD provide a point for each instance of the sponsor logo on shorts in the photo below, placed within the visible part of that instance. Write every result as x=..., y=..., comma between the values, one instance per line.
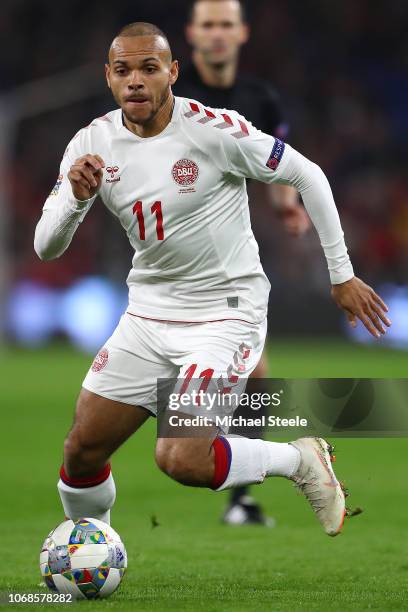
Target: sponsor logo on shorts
x=185, y=172
x=100, y=360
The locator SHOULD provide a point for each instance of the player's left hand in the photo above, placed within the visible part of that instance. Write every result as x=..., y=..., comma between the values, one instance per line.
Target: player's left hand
x=359, y=301
x=295, y=219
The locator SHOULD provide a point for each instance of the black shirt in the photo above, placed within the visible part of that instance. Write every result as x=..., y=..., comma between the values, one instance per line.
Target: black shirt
x=253, y=98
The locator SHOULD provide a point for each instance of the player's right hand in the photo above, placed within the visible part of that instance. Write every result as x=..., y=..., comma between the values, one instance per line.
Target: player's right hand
x=85, y=176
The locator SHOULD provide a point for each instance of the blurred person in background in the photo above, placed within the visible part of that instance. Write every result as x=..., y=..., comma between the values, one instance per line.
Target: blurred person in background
x=216, y=30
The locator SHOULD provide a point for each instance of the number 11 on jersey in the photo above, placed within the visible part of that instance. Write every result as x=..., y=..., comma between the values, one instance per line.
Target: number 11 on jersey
x=156, y=209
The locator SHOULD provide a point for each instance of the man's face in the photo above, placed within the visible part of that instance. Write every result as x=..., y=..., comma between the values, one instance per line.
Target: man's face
x=140, y=73
x=217, y=31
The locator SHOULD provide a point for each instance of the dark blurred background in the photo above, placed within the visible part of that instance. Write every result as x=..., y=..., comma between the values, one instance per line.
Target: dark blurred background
x=341, y=69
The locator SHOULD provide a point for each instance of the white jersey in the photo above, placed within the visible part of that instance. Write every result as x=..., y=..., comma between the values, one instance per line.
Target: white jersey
x=181, y=197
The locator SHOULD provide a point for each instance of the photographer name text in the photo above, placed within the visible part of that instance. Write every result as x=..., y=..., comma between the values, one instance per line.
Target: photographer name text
x=239, y=421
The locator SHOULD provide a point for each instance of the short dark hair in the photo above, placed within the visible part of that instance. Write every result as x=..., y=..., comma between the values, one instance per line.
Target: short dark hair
x=194, y=3
x=141, y=28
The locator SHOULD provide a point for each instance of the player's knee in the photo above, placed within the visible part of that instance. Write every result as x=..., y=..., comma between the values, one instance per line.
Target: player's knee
x=173, y=459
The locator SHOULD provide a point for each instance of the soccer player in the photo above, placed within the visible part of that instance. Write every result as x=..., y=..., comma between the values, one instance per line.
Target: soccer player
x=217, y=29
x=173, y=171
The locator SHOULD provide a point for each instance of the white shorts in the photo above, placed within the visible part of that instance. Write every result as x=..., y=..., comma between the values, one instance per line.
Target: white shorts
x=141, y=351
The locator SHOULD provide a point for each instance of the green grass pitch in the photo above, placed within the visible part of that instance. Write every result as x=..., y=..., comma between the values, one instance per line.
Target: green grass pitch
x=191, y=561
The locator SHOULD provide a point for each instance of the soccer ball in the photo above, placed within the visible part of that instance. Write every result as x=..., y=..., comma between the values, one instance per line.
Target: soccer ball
x=86, y=558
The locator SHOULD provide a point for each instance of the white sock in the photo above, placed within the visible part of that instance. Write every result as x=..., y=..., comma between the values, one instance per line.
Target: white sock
x=89, y=502
x=253, y=460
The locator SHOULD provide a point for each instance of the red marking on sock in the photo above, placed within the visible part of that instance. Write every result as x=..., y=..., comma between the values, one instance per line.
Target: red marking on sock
x=222, y=456
x=87, y=481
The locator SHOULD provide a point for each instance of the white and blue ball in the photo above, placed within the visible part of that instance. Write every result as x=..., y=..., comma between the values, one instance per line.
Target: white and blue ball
x=85, y=558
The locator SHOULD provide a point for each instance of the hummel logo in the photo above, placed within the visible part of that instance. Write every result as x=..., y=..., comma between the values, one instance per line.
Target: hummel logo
x=112, y=171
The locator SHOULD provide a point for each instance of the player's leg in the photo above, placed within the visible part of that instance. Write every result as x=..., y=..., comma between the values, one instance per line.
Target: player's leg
x=188, y=460
x=219, y=354
x=101, y=425
x=242, y=508
x=224, y=462
x=221, y=462
x=118, y=395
